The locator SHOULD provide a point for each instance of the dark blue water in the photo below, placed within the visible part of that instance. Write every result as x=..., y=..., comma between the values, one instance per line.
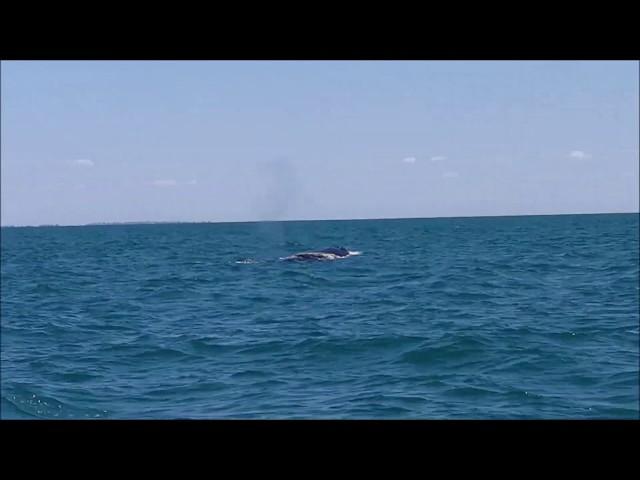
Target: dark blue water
x=512, y=317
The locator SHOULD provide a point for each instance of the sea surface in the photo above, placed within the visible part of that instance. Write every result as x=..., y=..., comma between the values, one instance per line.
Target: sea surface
x=455, y=318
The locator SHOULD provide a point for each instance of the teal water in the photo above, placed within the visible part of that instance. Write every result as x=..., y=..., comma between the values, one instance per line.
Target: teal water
x=503, y=317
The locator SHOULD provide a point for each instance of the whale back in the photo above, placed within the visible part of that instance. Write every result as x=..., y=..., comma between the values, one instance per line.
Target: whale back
x=339, y=251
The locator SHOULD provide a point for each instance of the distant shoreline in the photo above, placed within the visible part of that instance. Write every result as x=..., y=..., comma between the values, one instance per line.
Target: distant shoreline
x=150, y=222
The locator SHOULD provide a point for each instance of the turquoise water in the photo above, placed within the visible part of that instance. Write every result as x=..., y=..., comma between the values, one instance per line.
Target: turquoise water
x=503, y=317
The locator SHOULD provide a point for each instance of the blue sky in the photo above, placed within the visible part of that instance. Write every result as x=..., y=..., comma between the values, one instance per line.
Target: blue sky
x=233, y=141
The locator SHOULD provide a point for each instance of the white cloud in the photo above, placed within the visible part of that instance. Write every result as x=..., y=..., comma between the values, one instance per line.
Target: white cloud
x=579, y=154
x=192, y=182
x=409, y=160
x=450, y=174
x=83, y=162
x=164, y=183
x=438, y=158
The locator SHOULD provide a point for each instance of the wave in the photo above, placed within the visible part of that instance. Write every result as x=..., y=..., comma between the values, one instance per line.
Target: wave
x=24, y=401
x=247, y=261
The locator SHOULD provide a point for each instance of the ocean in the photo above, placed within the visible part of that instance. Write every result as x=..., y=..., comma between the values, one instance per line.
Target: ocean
x=532, y=317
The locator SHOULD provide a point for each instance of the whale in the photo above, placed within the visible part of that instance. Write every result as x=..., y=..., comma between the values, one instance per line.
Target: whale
x=331, y=253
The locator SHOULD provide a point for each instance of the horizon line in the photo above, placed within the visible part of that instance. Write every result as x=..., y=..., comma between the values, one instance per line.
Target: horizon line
x=165, y=222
